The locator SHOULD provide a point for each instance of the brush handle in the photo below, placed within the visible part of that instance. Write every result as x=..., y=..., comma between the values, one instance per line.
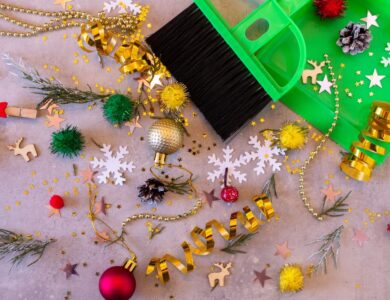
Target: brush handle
x=271, y=13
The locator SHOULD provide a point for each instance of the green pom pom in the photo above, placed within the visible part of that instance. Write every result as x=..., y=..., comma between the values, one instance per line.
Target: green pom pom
x=68, y=142
x=118, y=109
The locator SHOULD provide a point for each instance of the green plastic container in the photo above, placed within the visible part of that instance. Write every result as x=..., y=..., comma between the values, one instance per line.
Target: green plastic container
x=320, y=37
x=275, y=24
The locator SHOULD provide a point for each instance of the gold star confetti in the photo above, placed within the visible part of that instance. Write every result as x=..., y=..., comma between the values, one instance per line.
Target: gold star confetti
x=63, y=3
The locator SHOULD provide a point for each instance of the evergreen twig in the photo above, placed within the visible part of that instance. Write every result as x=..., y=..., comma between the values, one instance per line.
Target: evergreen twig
x=21, y=247
x=338, y=209
x=52, y=90
x=270, y=187
x=329, y=249
x=239, y=241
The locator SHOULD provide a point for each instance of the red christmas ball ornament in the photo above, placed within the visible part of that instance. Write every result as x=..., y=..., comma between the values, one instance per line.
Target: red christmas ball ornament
x=56, y=202
x=118, y=283
x=330, y=8
x=388, y=227
x=229, y=194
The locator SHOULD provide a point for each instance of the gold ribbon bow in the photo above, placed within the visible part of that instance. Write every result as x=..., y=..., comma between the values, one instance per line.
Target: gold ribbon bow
x=359, y=165
x=204, y=240
x=129, y=52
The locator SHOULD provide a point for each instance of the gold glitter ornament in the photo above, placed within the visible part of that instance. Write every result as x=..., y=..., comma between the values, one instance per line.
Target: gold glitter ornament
x=165, y=137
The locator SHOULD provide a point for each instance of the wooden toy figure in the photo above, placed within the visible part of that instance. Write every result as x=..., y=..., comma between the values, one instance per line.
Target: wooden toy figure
x=24, y=151
x=10, y=111
x=219, y=277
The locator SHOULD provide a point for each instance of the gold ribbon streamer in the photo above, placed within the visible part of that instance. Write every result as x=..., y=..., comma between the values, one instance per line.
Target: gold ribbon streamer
x=204, y=240
x=359, y=165
x=130, y=53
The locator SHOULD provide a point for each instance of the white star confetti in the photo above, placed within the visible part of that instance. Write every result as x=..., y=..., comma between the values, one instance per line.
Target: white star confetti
x=325, y=85
x=375, y=79
x=370, y=20
x=388, y=47
x=263, y=154
x=227, y=162
x=113, y=165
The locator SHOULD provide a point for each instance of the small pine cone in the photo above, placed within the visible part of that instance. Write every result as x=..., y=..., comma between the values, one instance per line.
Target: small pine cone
x=354, y=38
x=152, y=191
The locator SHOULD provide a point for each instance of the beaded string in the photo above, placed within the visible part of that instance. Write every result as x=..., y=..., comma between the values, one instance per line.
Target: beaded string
x=305, y=198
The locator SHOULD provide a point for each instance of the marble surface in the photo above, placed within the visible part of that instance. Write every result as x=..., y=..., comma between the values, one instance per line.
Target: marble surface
x=25, y=189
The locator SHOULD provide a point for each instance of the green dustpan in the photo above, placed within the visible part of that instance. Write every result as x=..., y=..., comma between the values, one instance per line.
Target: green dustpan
x=320, y=37
x=271, y=23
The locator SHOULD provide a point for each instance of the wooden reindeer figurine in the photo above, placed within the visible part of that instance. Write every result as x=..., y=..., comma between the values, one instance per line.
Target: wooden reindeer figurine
x=312, y=73
x=215, y=278
x=29, y=149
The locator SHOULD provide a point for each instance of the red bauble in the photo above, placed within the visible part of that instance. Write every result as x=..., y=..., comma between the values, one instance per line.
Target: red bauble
x=330, y=8
x=229, y=194
x=388, y=227
x=117, y=283
x=56, y=202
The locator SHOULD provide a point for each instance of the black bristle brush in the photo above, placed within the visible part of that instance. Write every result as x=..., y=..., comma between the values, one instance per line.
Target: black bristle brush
x=219, y=64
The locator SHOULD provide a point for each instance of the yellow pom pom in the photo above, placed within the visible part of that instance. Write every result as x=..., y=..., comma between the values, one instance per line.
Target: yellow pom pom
x=174, y=96
x=291, y=279
x=292, y=136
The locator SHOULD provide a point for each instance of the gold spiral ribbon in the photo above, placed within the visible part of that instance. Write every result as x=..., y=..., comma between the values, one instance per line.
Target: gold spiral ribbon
x=126, y=50
x=204, y=240
x=359, y=165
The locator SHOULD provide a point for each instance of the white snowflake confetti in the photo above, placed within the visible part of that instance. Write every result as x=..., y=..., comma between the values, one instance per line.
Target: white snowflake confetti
x=385, y=61
x=229, y=163
x=113, y=165
x=388, y=47
x=124, y=6
x=264, y=154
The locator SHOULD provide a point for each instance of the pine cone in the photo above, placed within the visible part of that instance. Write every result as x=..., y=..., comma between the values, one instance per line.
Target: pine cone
x=152, y=191
x=354, y=38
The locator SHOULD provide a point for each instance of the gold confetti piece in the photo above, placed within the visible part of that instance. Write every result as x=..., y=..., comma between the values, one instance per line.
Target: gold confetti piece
x=75, y=191
x=253, y=123
x=55, y=180
x=65, y=36
x=75, y=61
x=273, y=106
x=7, y=208
x=262, y=120
x=44, y=38
x=149, y=25
x=386, y=212
x=18, y=203
x=82, y=156
x=31, y=186
x=66, y=194
x=358, y=285
x=346, y=221
x=74, y=234
x=26, y=192
x=45, y=182
x=50, y=189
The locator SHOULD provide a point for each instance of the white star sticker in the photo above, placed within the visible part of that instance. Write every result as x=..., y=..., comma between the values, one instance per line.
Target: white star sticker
x=385, y=61
x=325, y=85
x=370, y=20
x=375, y=79
x=388, y=47
x=155, y=81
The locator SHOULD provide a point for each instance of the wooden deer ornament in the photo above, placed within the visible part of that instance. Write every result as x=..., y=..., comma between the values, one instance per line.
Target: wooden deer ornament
x=219, y=278
x=24, y=151
x=313, y=73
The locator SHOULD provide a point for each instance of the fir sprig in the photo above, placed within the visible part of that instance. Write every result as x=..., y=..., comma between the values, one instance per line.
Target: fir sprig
x=20, y=247
x=52, y=90
x=270, y=187
x=329, y=249
x=338, y=209
x=239, y=241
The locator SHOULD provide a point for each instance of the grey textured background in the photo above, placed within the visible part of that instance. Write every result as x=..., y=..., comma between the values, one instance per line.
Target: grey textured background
x=362, y=273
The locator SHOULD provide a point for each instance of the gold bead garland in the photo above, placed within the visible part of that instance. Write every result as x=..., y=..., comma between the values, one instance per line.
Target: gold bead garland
x=302, y=192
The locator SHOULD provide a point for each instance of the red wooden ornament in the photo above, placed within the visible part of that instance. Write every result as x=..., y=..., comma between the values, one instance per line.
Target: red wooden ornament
x=3, y=107
x=57, y=202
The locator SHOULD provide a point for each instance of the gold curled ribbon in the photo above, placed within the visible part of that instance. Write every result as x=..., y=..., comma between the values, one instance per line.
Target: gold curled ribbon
x=359, y=165
x=204, y=241
x=128, y=52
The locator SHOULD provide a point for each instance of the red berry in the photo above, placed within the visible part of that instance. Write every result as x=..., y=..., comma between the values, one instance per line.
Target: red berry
x=56, y=202
x=229, y=194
